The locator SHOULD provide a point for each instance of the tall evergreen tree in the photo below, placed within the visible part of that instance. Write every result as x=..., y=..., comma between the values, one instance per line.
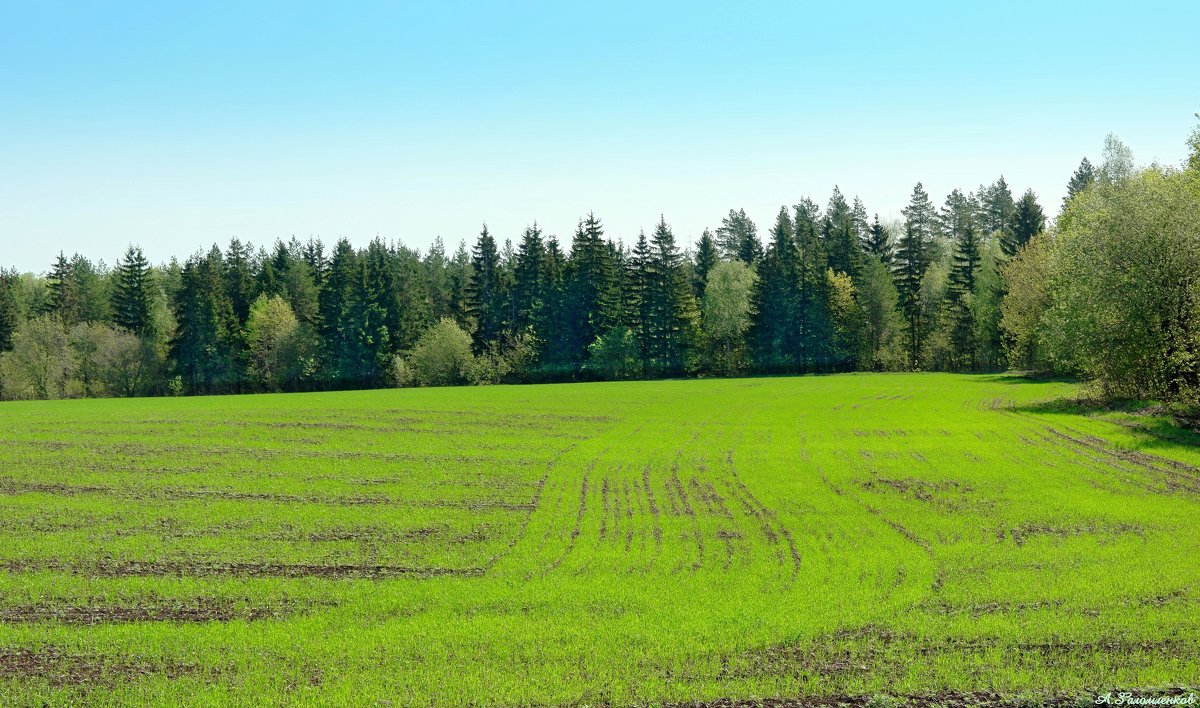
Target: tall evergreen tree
x=737, y=238
x=9, y=313
x=963, y=273
x=1027, y=221
x=706, y=258
x=458, y=282
x=591, y=298
x=132, y=304
x=529, y=279
x=239, y=279
x=204, y=349
x=862, y=227
x=811, y=333
x=839, y=234
x=64, y=300
x=913, y=257
x=673, y=312
x=879, y=241
x=774, y=298
x=996, y=206
x=485, y=294
x=910, y=265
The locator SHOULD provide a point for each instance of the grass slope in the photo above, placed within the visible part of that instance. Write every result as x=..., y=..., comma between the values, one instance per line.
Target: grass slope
x=620, y=543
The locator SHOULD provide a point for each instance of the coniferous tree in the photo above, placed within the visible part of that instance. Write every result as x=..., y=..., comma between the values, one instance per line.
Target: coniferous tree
x=638, y=300
x=458, y=282
x=811, y=334
x=774, y=299
x=963, y=273
x=913, y=257
x=996, y=206
x=485, y=294
x=529, y=279
x=132, y=306
x=706, y=258
x=737, y=238
x=204, y=349
x=8, y=307
x=879, y=241
x=839, y=235
x=673, y=312
x=590, y=293
x=239, y=279
x=64, y=300
x=862, y=227
x=335, y=301
x=1084, y=175
x=1027, y=221
x=92, y=290
x=910, y=264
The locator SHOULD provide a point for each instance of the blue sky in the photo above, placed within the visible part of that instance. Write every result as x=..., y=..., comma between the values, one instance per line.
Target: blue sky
x=177, y=125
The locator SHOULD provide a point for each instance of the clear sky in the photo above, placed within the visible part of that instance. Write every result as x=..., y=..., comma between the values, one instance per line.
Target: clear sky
x=177, y=125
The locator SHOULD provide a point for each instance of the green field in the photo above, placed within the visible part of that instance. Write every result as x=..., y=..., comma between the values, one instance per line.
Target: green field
x=615, y=543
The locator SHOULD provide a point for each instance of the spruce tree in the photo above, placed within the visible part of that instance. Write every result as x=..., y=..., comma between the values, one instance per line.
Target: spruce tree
x=204, y=347
x=132, y=293
x=1027, y=221
x=879, y=242
x=862, y=227
x=996, y=206
x=774, y=299
x=706, y=258
x=638, y=299
x=591, y=297
x=737, y=238
x=673, y=312
x=963, y=273
x=485, y=295
x=8, y=307
x=913, y=256
x=239, y=279
x=810, y=338
x=529, y=279
x=64, y=300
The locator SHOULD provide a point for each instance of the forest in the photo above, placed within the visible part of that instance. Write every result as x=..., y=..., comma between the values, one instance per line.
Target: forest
x=1105, y=287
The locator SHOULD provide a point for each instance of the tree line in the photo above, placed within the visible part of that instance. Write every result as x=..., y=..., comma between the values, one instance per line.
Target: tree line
x=979, y=284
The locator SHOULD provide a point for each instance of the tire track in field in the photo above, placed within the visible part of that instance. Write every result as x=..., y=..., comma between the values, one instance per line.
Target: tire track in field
x=1175, y=475
x=767, y=520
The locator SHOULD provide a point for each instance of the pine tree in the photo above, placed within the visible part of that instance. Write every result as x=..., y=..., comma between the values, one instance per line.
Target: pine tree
x=1027, y=221
x=485, y=292
x=706, y=258
x=132, y=293
x=1084, y=175
x=963, y=273
x=737, y=238
x=879, y=242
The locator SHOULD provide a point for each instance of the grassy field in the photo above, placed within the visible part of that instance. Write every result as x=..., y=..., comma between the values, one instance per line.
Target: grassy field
x=941, y=536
